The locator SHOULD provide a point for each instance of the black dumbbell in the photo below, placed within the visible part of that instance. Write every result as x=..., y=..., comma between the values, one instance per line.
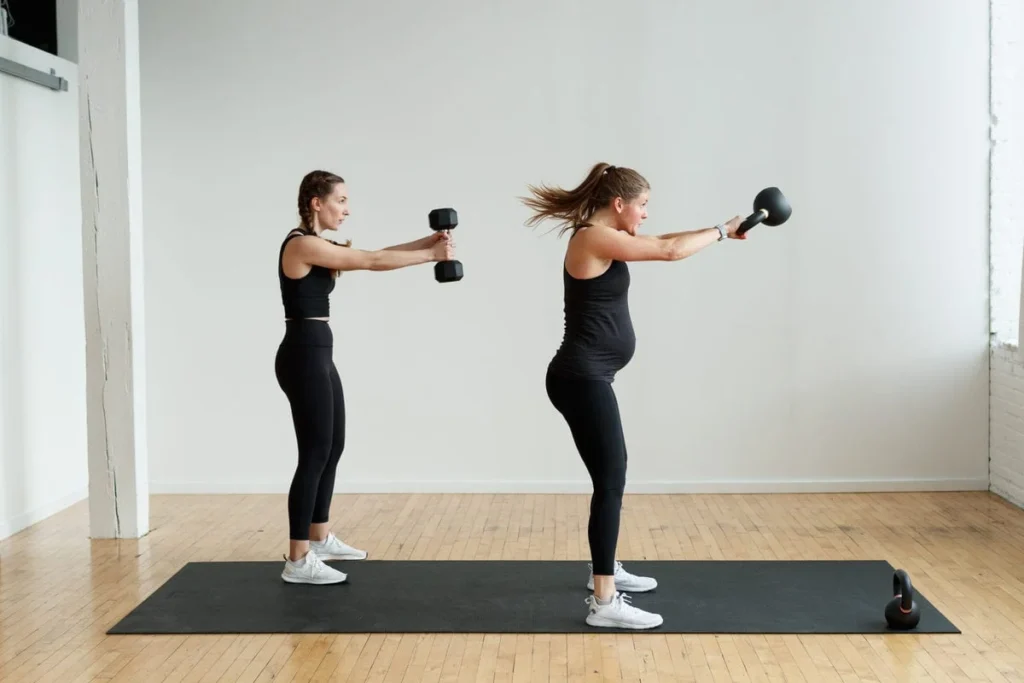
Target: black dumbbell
x=770, y=208
x=446, y=271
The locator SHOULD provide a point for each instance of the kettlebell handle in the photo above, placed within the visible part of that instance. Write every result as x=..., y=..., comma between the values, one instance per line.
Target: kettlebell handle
x=902, y=588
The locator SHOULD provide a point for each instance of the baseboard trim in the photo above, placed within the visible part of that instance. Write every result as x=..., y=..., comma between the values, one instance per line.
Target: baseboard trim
x=575, y=487
x=9, y=527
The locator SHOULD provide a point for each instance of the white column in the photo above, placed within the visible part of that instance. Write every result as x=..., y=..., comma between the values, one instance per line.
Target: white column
x=67, y=30
x=1020, y=309
x=108, y=68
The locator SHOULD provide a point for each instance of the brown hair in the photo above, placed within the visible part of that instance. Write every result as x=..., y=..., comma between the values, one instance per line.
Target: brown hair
x=317, y=184
x=574, y=208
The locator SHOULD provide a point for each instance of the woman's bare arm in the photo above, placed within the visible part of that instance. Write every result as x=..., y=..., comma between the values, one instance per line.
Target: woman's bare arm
x=421, y=243
x=616, y=245
x=319, y=252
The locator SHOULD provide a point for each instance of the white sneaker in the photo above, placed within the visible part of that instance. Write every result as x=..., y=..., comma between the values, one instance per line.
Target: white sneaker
x=626, y=582
x=311, y=569
x=334, y=549
x=620, y=614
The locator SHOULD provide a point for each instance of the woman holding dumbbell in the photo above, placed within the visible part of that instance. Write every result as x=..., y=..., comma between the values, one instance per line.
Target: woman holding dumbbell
x=308, y=265
x=603, y=214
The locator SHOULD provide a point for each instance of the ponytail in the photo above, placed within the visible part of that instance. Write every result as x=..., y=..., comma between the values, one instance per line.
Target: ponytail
x=573, y=209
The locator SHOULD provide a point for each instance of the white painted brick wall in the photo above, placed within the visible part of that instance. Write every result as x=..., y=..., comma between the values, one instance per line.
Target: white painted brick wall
x=1006, y=437
x=1006, y=398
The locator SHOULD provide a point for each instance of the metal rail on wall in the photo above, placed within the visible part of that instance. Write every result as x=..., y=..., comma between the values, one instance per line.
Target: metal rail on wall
x=48, y=80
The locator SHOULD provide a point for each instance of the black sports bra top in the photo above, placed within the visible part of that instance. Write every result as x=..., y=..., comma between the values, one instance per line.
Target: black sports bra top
x=305, y=297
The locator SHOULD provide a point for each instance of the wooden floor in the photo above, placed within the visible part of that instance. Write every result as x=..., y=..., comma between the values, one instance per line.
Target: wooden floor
x=59, y=591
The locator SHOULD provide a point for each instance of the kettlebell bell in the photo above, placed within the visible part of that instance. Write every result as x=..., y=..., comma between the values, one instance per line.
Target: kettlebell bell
x=902, y=612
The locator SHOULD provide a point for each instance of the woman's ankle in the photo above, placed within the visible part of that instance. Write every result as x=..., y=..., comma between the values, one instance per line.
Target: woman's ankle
x=604, y=587
x=297, y=550
x=319, y=531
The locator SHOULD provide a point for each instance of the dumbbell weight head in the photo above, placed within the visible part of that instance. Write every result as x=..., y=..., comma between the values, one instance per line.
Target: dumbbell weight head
x=902, y=612
x=770, y=207
x=445, y=219
x=448, y=271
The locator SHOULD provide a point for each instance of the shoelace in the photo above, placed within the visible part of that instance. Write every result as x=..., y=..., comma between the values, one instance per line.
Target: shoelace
x=620, y=598
x=318, y=564
x=313, y=560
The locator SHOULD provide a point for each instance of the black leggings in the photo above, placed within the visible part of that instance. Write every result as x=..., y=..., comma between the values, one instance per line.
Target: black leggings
x=306, y=373
x=591, y=410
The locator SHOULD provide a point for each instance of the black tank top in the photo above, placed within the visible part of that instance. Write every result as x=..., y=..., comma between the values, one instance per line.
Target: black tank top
x=305, y=297
x=599, y=339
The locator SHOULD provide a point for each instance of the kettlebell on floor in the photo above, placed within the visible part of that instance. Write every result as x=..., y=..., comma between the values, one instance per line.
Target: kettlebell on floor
x=902, y=613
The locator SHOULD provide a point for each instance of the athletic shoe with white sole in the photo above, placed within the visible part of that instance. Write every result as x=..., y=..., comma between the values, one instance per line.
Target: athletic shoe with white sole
x=626, y=582
x=334, y=549
x=311, y=569
x=618, y=613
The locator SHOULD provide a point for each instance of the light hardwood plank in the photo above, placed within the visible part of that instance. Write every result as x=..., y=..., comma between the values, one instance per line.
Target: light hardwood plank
x=60, y=591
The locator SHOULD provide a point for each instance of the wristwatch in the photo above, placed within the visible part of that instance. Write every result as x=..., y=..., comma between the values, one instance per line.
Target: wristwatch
x=721, y=231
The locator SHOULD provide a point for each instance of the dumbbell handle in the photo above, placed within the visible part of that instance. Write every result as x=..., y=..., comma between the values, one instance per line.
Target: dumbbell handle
x=752, y=220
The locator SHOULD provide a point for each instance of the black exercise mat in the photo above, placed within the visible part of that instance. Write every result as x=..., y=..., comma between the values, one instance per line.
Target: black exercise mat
x=523, y=597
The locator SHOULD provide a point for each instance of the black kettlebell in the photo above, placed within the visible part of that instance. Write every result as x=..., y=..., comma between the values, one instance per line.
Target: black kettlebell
x=770, y=207
x=902, y=612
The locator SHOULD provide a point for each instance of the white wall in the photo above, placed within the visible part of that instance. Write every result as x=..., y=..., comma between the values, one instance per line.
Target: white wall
x=1007, y=423
x=845, y=350
x=1007, y=248
x=1007, y=217
x=43, y=466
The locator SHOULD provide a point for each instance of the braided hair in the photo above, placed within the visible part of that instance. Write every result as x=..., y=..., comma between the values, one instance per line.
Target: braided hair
x=318, y=184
